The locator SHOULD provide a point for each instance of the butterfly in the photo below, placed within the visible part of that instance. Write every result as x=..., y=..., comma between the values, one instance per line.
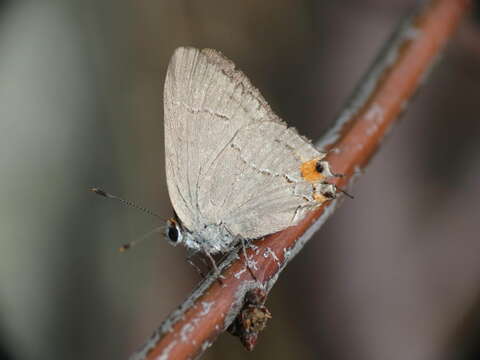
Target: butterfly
x=235, y=171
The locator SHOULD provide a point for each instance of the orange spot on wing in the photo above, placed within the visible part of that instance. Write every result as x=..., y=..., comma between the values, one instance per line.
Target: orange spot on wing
x=309, y=171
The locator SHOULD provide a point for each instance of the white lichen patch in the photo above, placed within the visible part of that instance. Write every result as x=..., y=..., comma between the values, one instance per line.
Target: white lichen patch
x=375, y=116
x=239, y=273
x=185, y=331
x=166, y=352
x=252, y=264
x=272, y=253
x=206, y=306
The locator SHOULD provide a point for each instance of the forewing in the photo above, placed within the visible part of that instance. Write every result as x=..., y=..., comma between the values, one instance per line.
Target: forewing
x=207, y=102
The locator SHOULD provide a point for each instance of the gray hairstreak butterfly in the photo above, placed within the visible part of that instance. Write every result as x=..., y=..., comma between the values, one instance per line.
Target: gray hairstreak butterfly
x=235, y=171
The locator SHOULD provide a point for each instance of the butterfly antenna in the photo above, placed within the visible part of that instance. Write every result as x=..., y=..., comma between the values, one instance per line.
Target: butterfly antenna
x=131, y=204
x=131, y=244
x=345, y=193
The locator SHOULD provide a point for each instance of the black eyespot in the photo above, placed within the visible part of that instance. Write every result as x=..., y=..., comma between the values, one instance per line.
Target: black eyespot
x=329, y=195
x=319, y=167
x=173, y=233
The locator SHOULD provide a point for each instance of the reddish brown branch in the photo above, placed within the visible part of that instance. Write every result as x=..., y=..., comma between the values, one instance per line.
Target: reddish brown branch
x=378, y=101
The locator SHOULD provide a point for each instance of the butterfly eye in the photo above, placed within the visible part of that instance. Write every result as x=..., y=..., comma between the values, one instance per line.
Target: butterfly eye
x=174, y=234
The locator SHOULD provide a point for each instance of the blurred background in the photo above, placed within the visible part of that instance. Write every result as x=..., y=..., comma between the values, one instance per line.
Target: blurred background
x=395, y=273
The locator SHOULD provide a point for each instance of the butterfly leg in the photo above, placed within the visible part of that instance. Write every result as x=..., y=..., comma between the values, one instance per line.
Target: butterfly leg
x=192, y=263
x=214, y=265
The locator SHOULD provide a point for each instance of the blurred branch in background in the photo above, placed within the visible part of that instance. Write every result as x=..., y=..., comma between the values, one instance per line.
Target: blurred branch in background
x=357, y=133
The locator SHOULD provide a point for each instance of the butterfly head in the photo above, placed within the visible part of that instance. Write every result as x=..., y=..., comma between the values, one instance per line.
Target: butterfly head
x=177, y=234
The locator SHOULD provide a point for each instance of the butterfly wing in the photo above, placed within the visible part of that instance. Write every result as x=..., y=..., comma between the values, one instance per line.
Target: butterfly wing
x=263, y=190
x=229, y=159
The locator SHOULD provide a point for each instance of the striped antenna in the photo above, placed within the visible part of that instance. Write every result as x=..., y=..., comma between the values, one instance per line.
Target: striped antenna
x=131, y=204
x=128, y=203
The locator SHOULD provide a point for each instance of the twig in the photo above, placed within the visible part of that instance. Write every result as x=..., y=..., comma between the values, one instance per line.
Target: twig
x=359, y=130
